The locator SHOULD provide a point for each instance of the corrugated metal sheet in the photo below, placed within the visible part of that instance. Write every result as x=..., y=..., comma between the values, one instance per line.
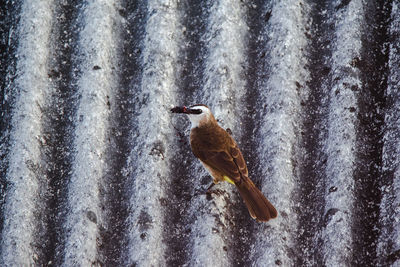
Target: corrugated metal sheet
x=95, y=170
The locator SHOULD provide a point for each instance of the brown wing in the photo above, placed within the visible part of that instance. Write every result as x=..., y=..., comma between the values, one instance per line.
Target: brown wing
x=217, y=149
x=229, y=161
x=239, y=160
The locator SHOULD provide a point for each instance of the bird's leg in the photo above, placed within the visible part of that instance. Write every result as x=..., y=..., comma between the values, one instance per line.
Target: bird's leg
x=215, y=181
x=216, y=192
x=209, y=192
x=209, y=188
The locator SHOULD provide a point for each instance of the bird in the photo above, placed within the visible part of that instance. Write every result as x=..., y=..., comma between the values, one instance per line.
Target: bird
x=220, y=155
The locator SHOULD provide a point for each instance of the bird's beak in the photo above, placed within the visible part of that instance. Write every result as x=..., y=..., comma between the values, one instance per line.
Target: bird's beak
x=179, y=109
x=185, y=110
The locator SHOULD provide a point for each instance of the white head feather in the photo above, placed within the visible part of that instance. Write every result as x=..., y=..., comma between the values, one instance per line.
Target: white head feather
x=199, y=119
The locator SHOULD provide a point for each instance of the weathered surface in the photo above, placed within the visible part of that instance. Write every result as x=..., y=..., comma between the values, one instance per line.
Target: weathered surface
x=95, y=170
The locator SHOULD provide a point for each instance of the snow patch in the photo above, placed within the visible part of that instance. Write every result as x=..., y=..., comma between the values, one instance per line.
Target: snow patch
x=147, y=167
x=389, y=240
x=95, y=88
x=277, y=131
x=25, y=174
x=341, y=137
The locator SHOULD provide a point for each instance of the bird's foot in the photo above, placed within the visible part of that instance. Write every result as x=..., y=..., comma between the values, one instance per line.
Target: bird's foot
x=216, y=192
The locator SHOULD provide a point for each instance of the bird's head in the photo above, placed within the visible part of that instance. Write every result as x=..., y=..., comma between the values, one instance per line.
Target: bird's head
x=198, y=114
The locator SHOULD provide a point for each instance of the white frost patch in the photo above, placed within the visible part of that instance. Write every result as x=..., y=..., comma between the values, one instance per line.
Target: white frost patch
x=224, y=84
x=389, y=240
x=341, y=139
x=279, y=103
x=24, y=175
x=209, y=230
x=149, y=170
x=223, y=91
x=95, y=87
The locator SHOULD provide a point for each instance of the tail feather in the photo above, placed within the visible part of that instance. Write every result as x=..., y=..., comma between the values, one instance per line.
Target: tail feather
x=259, y=207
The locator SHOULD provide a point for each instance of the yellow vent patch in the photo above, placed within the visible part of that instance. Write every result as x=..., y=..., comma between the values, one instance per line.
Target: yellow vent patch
x=226, y=178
